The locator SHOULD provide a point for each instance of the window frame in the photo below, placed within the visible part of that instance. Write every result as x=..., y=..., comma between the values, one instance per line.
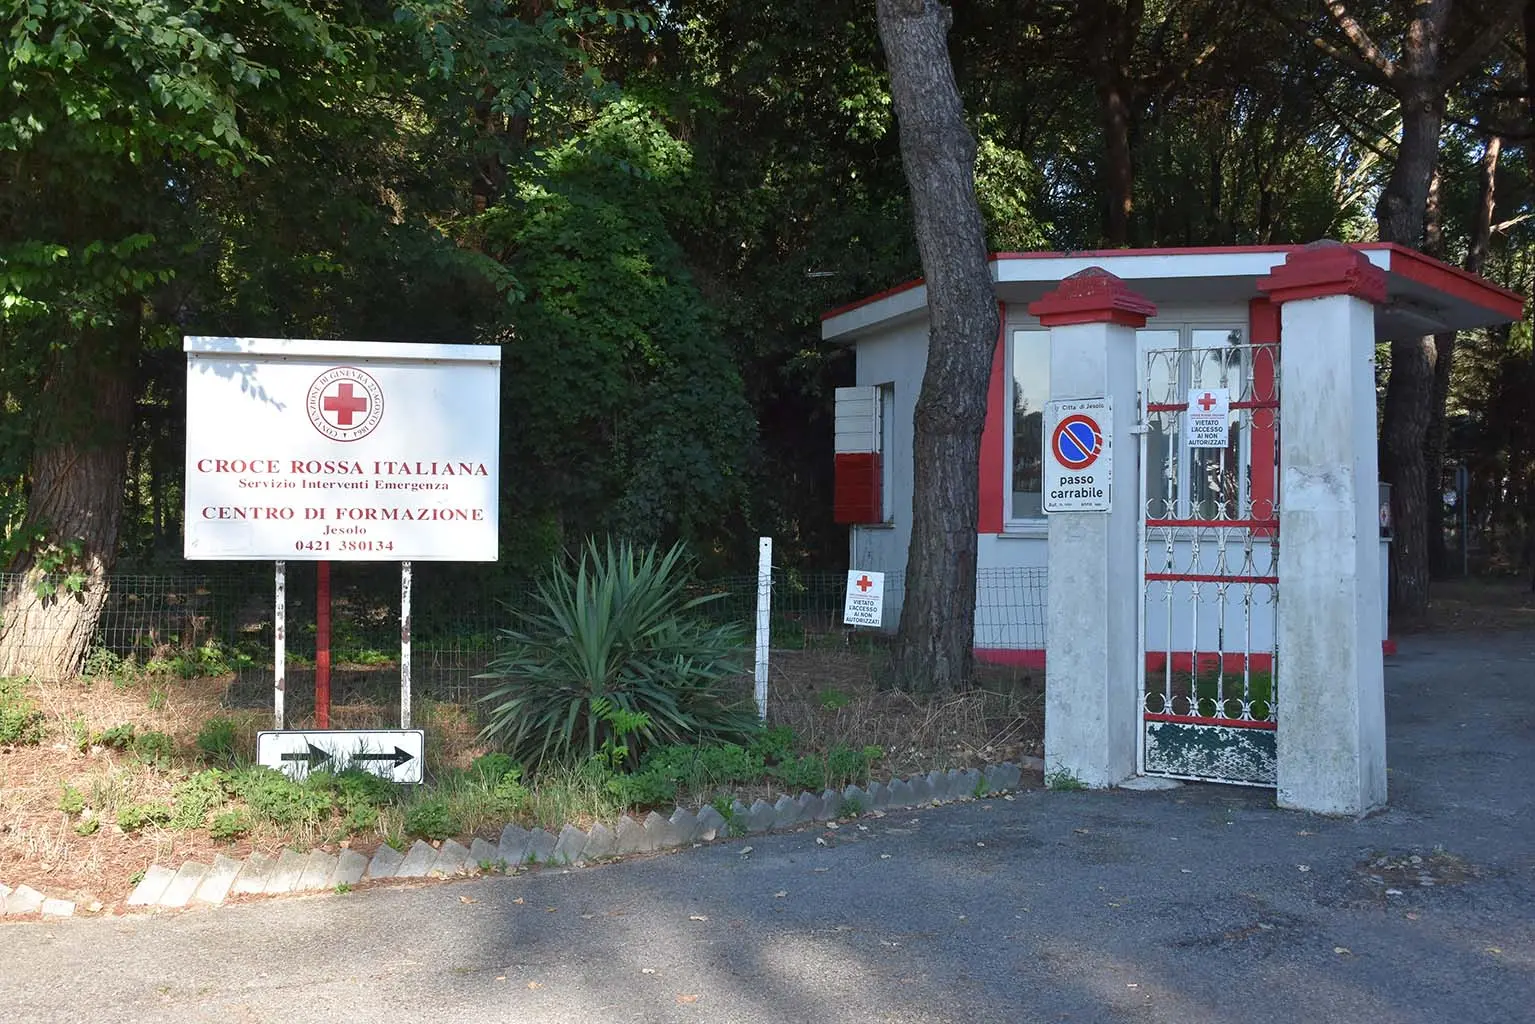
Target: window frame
x=1012, y=524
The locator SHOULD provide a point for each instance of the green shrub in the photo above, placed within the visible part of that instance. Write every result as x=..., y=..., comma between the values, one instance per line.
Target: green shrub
x=492, y=768
x=119, y=737
x=21, y=722
x=71, y=800
x=132, y=817
x=228, y=825
x=774, y=745
x=431, y=818
x=195, y=797
x=616, y=634
x=274, y=797
x=807, y=773
x=217, y=741
x=645, y=789
x=510, y=793
x=154, y=749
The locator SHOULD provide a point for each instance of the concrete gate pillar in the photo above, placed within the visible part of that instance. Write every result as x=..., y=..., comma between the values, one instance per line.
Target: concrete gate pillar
x=1091, y=641
x=1328, y=672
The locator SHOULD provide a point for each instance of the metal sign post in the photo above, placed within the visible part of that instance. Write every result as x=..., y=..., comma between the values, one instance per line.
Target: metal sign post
x=405, y=583
x=764, y=622
x=279, y=645
x=322, y=647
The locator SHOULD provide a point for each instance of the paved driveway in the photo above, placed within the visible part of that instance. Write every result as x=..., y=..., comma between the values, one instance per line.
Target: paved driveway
x=1203, y=904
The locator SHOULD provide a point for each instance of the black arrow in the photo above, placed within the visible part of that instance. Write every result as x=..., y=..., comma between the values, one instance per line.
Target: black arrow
x=314, y=755
x=399, y=757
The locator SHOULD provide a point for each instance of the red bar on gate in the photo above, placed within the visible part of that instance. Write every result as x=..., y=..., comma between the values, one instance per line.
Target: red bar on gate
x=1183, y=406
x=1239, y=524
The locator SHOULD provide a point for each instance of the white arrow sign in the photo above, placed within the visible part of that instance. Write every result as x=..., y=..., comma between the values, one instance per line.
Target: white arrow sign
x=394, y=754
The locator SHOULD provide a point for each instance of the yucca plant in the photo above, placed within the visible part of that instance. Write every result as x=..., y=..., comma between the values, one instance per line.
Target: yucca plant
x=615, y=654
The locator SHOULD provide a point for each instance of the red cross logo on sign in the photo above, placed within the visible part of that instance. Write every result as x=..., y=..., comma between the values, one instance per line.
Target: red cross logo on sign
x=864, y=583
x=1207, y=401
x=345, y=403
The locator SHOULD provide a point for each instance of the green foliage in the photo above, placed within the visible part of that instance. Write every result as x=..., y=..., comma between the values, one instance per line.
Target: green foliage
x=208, y=660
x=619, y=634
x=491, y=768
x=21, y=722
x=154, y=749
x=845, y=765
x=606, y=308
x=832, y=699
x=135, y=816
x=806, y=773
x=71, y=800
x=1063, y=781
x=229, y=825
x=774, y=744
x=431, y=818
x=195, y=797
x=79, y=731
x=87, y=826
x=117, y=737
x=510, y=792
x=217, y=741
x=272, y=796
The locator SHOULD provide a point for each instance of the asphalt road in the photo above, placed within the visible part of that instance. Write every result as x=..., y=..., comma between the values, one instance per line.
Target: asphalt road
x=1203, y=904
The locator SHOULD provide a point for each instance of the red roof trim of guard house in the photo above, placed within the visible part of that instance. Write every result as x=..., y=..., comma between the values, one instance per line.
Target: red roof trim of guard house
x=1405, y=261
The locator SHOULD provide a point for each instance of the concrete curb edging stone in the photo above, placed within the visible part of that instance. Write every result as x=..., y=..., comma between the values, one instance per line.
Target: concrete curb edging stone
x=317, y=871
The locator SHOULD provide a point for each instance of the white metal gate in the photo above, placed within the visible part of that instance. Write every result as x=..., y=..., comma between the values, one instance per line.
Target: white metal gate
x=1209, y=683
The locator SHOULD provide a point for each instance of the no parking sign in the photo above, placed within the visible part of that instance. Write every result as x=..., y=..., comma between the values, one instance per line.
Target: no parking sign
x=1079, y=455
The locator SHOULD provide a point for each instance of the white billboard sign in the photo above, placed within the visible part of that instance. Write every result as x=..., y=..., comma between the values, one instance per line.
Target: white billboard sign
x=1079, y=456
x=341, y=451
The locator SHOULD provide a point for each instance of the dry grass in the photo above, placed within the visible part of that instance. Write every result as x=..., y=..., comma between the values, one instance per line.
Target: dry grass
x=829, y=697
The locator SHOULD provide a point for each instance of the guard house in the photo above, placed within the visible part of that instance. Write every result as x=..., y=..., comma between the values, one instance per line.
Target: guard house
x=1193, y=545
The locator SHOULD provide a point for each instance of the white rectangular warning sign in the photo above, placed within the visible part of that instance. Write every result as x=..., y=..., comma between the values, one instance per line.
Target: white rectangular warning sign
x=1079, y=455
x=393, y=754
x=865, y=603
x=1206, y=421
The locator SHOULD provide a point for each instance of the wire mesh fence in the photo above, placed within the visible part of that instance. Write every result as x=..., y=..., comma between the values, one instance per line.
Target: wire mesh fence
x=221, y=625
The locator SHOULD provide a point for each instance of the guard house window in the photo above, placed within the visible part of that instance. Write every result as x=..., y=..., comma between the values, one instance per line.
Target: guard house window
x=1029, y=366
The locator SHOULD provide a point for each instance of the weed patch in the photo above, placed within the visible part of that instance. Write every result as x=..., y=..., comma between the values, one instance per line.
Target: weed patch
x=21, y=722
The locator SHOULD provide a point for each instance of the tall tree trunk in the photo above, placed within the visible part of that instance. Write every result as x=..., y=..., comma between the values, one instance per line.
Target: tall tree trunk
x=1444, y=358
x=51, y=601
x=935, y=648
x=1120, y=27
x=1400, y=218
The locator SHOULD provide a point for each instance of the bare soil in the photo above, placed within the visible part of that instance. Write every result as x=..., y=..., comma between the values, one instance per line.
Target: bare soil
x=828, y=696
x=1480, y=603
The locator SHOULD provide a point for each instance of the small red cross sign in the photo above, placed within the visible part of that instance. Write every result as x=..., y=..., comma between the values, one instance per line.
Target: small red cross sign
x=344, y=404
x=1207, y=401
x=864, y=583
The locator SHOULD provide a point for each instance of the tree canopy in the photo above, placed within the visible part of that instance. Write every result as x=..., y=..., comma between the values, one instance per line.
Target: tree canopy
x=649, y=208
